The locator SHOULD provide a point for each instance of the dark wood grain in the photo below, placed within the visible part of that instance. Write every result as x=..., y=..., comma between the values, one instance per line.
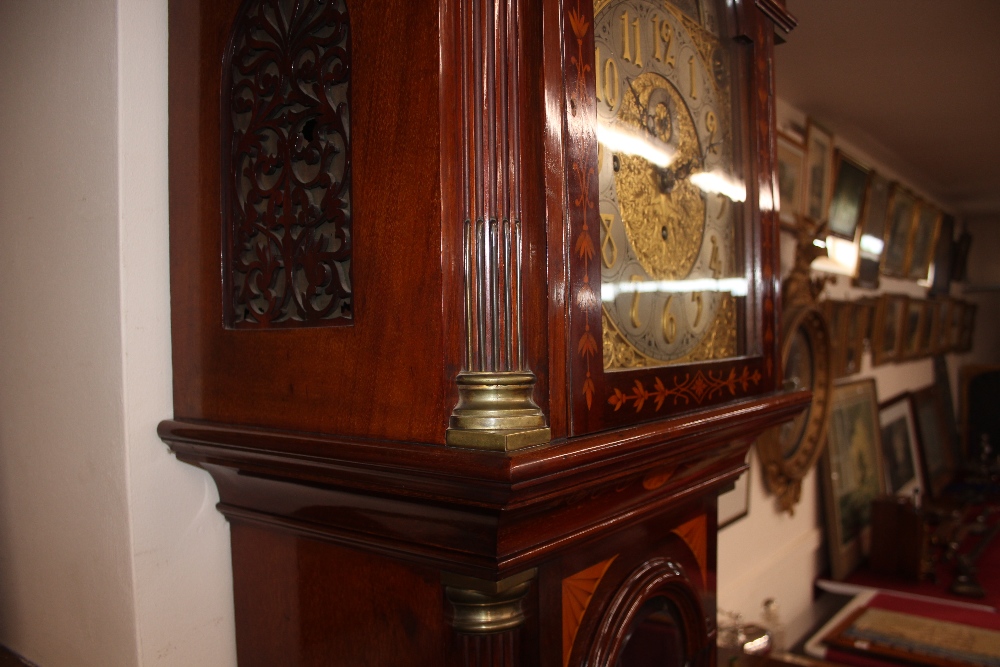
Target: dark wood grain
x=327, y=444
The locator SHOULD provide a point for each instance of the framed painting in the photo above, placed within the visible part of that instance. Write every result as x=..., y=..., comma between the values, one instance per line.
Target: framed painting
x=735, y=503
x=925, y=345
x=942, y=339
x=926, y=224
x=898, y=227
x=968, y=327
x=912, y=326
x=856, y=333
x=850, y=186
x=819, y=165
x=935, y=443
x=944, y=257
x=852, y=473
x=887, y=328
x=872, y=241
x=901, y=471
x=835, y=314
x=791, y=180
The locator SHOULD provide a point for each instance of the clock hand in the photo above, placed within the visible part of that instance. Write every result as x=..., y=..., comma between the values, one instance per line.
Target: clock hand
x=644, y=120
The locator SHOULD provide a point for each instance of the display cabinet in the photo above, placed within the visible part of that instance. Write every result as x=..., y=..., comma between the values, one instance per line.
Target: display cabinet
x=474, y=315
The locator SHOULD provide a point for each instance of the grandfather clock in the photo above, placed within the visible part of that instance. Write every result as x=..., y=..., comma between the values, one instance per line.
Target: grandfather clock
x=473, y=309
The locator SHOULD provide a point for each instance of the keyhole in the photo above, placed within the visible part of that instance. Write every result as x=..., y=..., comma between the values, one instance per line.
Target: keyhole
x=663, y=232
x=616, y=165
x=309, y=129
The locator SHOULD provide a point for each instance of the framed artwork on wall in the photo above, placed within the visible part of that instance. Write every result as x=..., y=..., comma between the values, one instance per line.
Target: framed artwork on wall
x=735, y=503
x=901, y=471
x=858, y=324
x=819, y=165
x=887, y=328
x=852, y=473
x=926, y=224
x=936, y=446
x=912, y=326
x=926, y=343
x=944, y=257
x=848, y=198
x=872, y=241
x=835, y=313
x=791, y=179
x=899, y=225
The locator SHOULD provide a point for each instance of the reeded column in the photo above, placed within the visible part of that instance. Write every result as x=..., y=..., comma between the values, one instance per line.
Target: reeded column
x=495, y=408
x=488, y=615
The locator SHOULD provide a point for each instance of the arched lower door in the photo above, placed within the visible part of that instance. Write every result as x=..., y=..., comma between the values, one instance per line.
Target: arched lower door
x=654, y=619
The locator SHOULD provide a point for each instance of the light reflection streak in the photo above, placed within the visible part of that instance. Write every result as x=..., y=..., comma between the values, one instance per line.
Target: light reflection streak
x=734, y=286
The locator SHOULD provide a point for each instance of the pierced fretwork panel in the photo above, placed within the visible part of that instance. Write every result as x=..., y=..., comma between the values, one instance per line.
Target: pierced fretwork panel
x=287, y=165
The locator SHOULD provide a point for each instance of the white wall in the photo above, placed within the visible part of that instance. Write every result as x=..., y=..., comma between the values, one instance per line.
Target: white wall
x=111, y=551
x=772, y=555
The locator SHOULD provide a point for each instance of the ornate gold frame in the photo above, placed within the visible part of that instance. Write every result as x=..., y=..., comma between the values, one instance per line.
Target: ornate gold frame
x=783, y=474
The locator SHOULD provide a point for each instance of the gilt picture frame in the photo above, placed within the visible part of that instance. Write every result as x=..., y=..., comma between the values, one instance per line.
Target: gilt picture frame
x=923, y=240
x=851, y=473
x=819, y=168
x=791, y=180
x=887, y=329
x=872, y=243
x=847, y=200
x=898, y=229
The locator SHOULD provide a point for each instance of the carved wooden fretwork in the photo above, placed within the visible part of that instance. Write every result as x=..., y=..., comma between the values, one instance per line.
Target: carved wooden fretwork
x=287, y=165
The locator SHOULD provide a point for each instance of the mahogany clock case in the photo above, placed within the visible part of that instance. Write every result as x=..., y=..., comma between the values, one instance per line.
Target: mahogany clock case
x=327, y=443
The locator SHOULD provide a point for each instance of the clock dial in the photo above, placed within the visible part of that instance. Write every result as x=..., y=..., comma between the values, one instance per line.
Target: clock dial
x=669, y=194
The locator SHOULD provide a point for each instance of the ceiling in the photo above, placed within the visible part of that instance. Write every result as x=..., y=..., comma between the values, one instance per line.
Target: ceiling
x=916, y=83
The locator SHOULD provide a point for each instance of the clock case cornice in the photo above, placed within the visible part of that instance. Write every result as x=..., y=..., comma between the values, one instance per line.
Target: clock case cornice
x=482, y=514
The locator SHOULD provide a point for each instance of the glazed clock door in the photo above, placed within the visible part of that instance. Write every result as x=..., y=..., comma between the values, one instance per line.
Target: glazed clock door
x=671, y=313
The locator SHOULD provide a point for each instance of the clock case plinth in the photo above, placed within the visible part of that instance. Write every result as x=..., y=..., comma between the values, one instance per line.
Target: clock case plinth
x=358, y=534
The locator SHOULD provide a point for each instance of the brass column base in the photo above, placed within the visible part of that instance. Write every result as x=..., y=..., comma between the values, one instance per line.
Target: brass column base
x=495, y=411
x=486, y=607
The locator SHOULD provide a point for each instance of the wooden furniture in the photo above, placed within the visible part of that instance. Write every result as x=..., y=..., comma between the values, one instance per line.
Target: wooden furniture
x=387, y=339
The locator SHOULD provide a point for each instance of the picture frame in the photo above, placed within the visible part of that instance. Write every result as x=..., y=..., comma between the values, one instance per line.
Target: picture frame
x=901, y=471
x=847, y=199
x=819, y=165
x=942, y=339
x=927, y=327
x=920, y=253
x=859, y=318
x=852, y=473
x=898, y=228
x=887, y=328
x=791, y=180
x=834, y=312
x=935, y=443
x=944, y=257
x=735, y=503
x=872, y=242
x=912, y=325
x=968, y=327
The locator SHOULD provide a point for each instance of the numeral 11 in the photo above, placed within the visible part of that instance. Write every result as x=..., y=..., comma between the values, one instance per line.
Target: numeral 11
x=627, y=31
